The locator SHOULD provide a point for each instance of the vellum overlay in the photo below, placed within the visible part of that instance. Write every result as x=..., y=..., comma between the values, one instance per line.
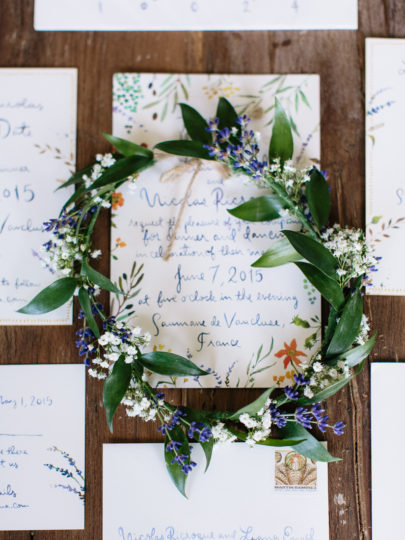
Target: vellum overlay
x=206, y=302
x=385, y=182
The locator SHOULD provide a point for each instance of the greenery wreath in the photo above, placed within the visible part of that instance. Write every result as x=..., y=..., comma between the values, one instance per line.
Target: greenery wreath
x=335, y=259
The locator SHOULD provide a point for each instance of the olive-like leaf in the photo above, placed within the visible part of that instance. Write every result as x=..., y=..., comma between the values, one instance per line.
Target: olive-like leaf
x=85, y=304
x=195, y=124
x=314, y=252
x=186, y=148
x=354, y=356
x=128, y=148
x=327, y=286
x=174, y=469
x=348, y=326
x=310, y=447
x=318, y=197
x=193, y=415
x=281, y=143
x=166, y=363
x=52, y=297
x=99, y=279
x=115, y=387
x=77, y=177
x=253, y=407
x=264, y=208
x=121, y=169
x=326, y=392
x=226, y=114
x=280, y=253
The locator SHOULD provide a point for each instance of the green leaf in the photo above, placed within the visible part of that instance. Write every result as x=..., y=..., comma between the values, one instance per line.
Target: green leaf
x=195, y=124
x=52, y=297
x=281, y=143
x=128, y=148
x=330, y=329
x=85, y=304
x=310, y=447
x=318, y=197
x=77, y=176
x=193, y=415
x=348, y=326
x=280, y=253
x=115, y=387
x=166, y=363
x=358, y=354
x=314, y=252
x=121, y=169
x=264, y=208
x=327, y=286
x=176, y=474
x=226, y=115
x=267, y=442
x=253, y=407
x=325, y=393
x=185, y=148
x=99, y=279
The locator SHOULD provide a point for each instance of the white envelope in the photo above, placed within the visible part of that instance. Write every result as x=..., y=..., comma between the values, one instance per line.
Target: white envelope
x=246, y=493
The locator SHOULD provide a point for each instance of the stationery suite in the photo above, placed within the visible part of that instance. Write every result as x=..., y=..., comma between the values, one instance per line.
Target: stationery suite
x=246, y=493
x=388, y=496
x=385, y=187
x=195, y=14
x=37, y=149
x=42, y=447
x=200, y=297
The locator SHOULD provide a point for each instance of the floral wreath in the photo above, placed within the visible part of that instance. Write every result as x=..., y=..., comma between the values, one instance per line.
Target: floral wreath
x=335, y=260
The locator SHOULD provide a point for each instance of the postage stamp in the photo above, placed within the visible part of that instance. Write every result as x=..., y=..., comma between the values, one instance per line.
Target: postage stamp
x=293, y=471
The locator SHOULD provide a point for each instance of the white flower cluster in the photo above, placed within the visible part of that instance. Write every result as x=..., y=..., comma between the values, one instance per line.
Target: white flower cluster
x=115, y=347
x=221, y=434
x=291, y=178
x=364, y=330
x=138, y=404
x=63, y=250
x=259, y=425
x=103, y=162
x=321, y=376
x=349, y=246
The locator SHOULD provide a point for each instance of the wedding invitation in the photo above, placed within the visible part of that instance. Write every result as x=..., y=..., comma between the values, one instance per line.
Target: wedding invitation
x=388, y=497
x=195, y=14
x=287, y=495
x=200, y=297
x=37, y=149
x=42, y=447
x=385, y=183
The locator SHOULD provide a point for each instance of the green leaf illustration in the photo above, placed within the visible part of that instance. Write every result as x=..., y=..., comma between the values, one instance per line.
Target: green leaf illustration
x=115, y=387
x=166, y=363
x=264, y=208
x=318, y=197
x=281, y=143
x=52, y=297
x=195, y=124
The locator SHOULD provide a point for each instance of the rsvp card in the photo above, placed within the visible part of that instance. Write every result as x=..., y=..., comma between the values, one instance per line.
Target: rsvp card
x=42, y=447
x=246, y=493
x=385, y=182
x=37, y=149
x=387, y=481
x=195, y=14
x=200, y=297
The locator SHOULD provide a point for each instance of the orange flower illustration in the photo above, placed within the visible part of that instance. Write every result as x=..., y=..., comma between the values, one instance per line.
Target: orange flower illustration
x=117, y=200
x=278, y=379
x=119, y=243
x=290, y=352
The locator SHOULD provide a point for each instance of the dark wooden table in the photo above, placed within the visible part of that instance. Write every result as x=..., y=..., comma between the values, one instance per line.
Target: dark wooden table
x=338, y=56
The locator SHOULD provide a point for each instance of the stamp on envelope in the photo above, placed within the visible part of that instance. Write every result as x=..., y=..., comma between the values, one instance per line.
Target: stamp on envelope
x=293, y=471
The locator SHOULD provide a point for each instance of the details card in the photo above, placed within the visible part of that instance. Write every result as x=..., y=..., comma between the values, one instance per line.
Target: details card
x=42, y=447
x=195, y=14
x=37, y=153
x=287, y=495
x=388, y=496
x=200, y=297
x=385, y=180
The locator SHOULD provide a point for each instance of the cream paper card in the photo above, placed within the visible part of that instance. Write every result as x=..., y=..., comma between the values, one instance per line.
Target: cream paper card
x=385, y=182
x=246, y=493
x=206, y=302
x=37, y=149
x=195, y=14
x=388, y=496
x=42, y=447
